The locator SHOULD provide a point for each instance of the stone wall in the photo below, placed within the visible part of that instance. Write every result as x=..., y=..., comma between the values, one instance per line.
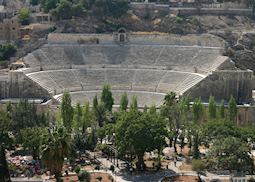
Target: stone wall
x=210, y=11
x=186, y=9
x=222, y=84
x=20, y=86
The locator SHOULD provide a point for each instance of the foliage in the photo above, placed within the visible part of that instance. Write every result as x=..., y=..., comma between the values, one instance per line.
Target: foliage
x=31, y=139
x=4, y=129
x=77, y=169
x=78, y=116
x=222, y=110
x=106, y=97
x=25, y=115
x=230, y=153
x=198, y=165
x=198, y=110
x=67, y=111
x=232, y=108
x=99, y=112
x=179, y=19
x=84, y=176
x=212, y=108
x=24, y=16
x=34, y=2
x=4, y=174
x=115, y=8
x=134, y=104
x=55, y=149
x=6, y=51
x=132, y=134
x=64, y=10
x=49, y=4
x=124, y=102
x=112, y=168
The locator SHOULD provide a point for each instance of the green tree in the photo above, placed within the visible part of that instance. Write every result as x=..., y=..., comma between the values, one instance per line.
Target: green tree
x=24, y=16
x=25, y=115
x=4, y=174
x=134, y=104
x=64, y=10
x=78, y=115
x=171, y=111
x=124, y=102
x=232, y=109
x=230, y=154
x=6, y=51
x=87, y=118
x=115, y=8
x=31, y=139
x=48, y=4
x=54, y=150
x=67, y=111
x=4, y=129
x=222, y=110
x=106, y=97
x=212, y=108
x=198, y=110
x=132, y=134
x=34, y=2
x=99, y=112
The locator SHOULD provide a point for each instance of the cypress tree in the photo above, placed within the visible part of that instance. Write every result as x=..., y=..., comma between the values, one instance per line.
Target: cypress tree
x=106, y=97
x=222, y=110
x=124, y=102
x=67, y=111
x=212, y=108
x=232, y=108
x=4, y=171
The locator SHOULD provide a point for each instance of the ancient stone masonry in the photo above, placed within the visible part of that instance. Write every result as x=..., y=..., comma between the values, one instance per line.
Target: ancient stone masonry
x=21, y=86
x=222, y=84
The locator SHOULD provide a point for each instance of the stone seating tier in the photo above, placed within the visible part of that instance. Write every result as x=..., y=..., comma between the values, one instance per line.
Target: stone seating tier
x=180, y=58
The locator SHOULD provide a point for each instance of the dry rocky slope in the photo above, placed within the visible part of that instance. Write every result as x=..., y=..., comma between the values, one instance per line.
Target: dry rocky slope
x=240, y=46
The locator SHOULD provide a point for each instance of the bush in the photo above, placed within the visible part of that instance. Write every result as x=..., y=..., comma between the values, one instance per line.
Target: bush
x=77, y=169
x=24, y=16
x=251, y=180
x=34, y=2
x=194, y=20
x=97, y=167
x=178, y=19
x=84, y=176
x=197, y=165
x=112, y=168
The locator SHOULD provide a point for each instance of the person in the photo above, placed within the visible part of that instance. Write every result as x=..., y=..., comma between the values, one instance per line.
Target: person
x=175, y=161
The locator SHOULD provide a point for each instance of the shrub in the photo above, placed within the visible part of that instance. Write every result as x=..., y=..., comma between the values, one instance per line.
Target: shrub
x=251, y=180
x=24, y=16
x=97, y=167
x=197, y=165
x=77, y=169
x=84, y=176
x=194, y=20
x=112, y=168
x=178, y=19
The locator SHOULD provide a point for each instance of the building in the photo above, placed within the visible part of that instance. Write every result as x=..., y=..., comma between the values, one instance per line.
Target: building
x=10, y=29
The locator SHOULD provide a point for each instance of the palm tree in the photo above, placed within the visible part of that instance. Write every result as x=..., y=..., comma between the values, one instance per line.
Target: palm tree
x=170, y=110
x=55, y=149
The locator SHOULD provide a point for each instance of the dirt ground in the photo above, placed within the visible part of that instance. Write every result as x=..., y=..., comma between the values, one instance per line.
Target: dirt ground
x=181, y=179
x=105, y=177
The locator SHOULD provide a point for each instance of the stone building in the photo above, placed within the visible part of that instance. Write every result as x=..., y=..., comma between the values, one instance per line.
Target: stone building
x=10, y=29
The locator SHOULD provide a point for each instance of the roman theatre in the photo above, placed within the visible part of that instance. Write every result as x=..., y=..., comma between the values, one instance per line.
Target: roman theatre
x=147, y=65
